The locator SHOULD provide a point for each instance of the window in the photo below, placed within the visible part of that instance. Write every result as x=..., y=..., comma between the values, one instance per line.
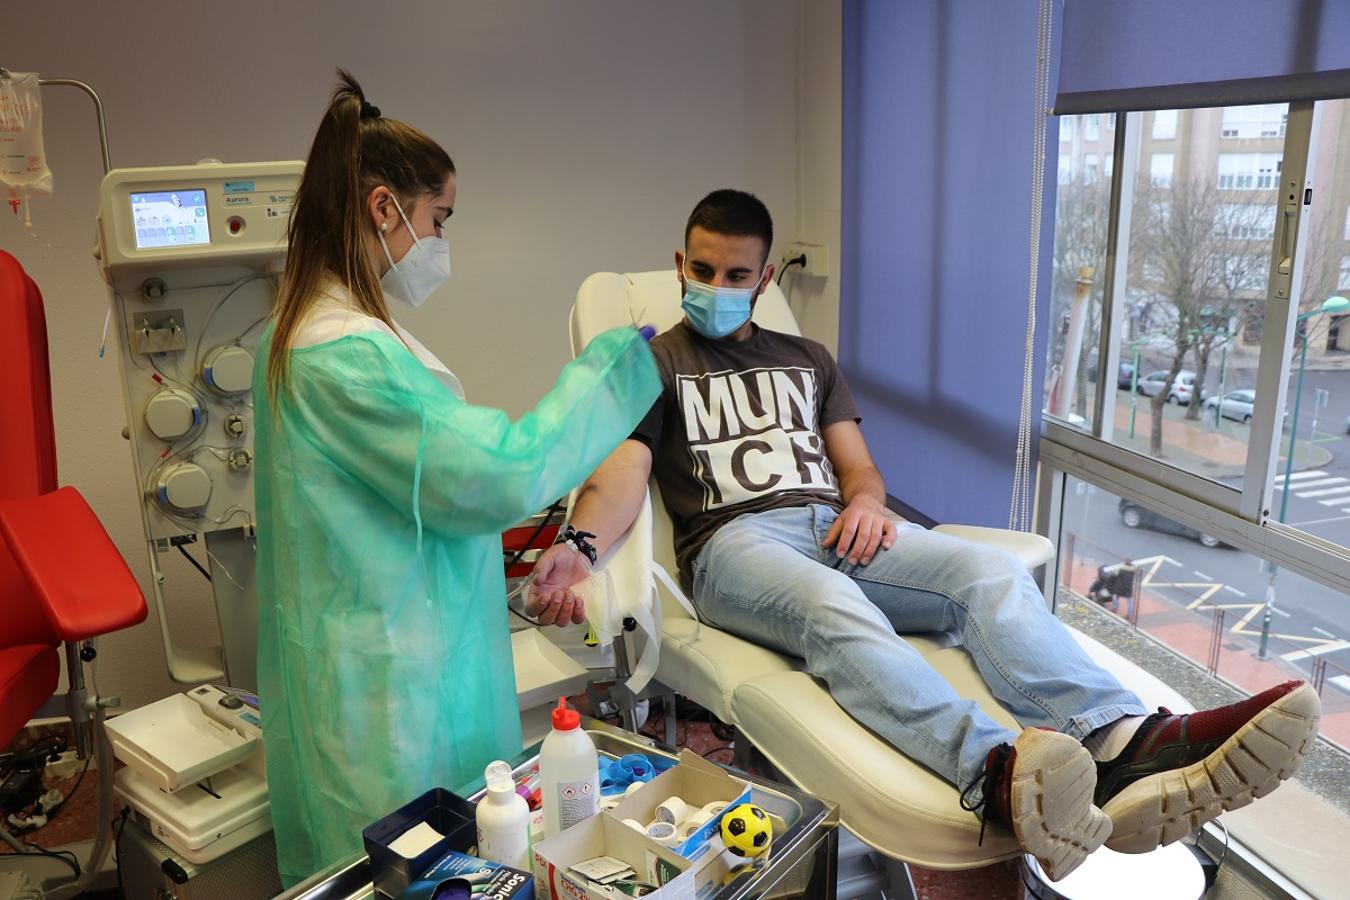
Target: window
x=1065, y=168
x=1343, y=281
x=1249, y=171
x=1346, y=235
x=1267, y=121
x=1160, y=169
x=1091, y=130
x=1091, y=173
x=1066, y=128
x=1246, y=220
x=1110, y=170
x=1165, y=124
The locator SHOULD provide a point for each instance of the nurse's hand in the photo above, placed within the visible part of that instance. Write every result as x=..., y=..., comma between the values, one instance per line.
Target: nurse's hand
x=551, y=600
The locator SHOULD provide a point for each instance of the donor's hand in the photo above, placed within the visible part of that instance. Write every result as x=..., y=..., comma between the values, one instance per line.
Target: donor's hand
x=551, y=600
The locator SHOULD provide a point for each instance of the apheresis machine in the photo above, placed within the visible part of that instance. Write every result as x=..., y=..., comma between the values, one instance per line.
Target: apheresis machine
x=192, y=255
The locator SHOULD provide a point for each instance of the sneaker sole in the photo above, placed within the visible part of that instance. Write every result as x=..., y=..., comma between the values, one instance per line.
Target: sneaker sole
x=1054, y=820
x=1159, y=809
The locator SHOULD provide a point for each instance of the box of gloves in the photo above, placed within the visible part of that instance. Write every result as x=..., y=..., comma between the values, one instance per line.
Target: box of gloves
x=459, y=876
x=682, y=807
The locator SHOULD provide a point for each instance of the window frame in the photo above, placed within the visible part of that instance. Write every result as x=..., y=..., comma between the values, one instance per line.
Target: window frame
x=1239, y=516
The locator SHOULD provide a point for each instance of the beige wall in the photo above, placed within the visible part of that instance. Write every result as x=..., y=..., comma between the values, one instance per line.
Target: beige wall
x=583, y=132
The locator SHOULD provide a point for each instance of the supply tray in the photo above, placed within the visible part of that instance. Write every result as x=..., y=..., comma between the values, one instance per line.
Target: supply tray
x=804, y=853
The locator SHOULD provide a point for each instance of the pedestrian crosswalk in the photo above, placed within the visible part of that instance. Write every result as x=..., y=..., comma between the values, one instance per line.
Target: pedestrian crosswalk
x=1328, y=490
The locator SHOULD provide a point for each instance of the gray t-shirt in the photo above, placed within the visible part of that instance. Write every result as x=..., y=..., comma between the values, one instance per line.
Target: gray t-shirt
x=738, y=427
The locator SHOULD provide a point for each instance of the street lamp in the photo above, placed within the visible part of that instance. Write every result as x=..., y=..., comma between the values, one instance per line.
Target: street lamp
x=1330, y=305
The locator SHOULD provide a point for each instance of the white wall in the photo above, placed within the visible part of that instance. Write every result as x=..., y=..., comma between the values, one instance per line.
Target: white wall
x=583, y=133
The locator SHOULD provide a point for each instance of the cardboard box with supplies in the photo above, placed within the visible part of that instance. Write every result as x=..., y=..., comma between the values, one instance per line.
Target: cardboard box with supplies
x=603, y=859
x=615, y=854
x=690, y=796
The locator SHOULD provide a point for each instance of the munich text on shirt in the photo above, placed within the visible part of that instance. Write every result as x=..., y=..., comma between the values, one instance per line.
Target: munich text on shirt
x=753, y=433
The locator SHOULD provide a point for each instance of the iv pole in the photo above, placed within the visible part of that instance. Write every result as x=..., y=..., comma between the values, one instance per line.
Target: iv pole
x=98, y=109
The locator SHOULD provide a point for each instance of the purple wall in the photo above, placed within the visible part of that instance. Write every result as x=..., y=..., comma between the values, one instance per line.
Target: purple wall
x=937, y=116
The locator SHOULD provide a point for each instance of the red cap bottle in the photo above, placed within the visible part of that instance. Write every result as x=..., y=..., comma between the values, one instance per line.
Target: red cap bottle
x=565, y=719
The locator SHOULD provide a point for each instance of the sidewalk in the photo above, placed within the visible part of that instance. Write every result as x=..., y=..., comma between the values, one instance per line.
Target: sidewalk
x=1196, y=446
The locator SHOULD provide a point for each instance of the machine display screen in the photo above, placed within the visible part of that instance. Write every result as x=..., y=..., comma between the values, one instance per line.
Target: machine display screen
x=170, y=219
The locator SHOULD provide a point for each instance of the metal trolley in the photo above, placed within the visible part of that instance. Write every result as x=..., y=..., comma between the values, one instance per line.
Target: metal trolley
x=801, y=863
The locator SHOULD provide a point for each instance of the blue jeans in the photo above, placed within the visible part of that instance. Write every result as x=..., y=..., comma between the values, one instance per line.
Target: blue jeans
x=766, y=578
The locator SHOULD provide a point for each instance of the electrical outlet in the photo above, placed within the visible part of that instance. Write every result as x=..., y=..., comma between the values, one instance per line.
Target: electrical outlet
x=817, y=258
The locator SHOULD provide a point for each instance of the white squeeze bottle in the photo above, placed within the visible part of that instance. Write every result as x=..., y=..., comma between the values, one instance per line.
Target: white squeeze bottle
x=569, y=772
x=503, y=820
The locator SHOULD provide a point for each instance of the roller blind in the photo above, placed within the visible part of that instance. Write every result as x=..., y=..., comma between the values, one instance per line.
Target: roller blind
x=1173, y=54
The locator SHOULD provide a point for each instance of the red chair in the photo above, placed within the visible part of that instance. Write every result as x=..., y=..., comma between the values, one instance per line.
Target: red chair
x=61, y=578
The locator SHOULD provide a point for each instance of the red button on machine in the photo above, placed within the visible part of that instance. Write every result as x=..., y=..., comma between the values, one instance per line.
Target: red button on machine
x=235, y=224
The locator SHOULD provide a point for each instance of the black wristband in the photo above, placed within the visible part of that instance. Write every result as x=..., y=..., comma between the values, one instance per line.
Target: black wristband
x=578, y=539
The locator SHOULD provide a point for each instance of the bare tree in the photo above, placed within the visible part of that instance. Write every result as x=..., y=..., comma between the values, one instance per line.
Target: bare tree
x=1242, y=233
x=1320, y=258
x=1183, y=260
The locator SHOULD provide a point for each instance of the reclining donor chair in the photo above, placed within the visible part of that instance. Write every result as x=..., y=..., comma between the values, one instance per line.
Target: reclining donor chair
x=897, y=806
x=62, y=580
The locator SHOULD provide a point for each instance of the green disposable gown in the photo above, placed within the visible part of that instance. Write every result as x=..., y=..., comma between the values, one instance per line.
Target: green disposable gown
x=384, y=657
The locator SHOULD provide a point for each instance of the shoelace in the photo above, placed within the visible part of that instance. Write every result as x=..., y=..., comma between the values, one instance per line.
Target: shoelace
x=996, y=763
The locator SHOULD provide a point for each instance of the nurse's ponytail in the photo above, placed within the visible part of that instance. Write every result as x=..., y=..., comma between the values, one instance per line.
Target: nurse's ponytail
x=355, y=150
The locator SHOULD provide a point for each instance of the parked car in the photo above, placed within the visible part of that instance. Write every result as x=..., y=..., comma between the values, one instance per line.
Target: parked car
x=1125, y=376
x=1154, y=383
x=1236, y=405
x=1136, y=516
x=1124, y=373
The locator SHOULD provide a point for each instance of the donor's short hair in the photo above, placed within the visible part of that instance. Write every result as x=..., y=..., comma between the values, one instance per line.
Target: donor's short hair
x=734, y=213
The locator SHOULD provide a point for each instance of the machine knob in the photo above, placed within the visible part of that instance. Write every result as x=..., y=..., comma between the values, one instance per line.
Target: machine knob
x=154, y=288
x=230, y=701
x=240, y=459
x=236, y=426
x=228, y=370
x=183, y=487
x=172, y=413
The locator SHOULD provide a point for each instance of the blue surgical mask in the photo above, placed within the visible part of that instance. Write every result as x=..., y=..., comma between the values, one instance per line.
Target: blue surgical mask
x=425, y=266
x=716, y=312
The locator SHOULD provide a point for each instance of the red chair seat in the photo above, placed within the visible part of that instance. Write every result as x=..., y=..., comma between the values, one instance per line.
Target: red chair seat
x=28, y=676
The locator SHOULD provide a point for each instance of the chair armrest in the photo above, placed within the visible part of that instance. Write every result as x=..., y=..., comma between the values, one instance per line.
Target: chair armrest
x=71, y=564
x=1032, y=549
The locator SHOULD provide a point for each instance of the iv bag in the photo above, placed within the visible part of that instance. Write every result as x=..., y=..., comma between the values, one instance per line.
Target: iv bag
x=23, y=163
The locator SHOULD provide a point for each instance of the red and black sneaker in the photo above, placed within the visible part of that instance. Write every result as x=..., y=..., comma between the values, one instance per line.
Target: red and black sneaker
x=1040, y=788
x=1180, y=771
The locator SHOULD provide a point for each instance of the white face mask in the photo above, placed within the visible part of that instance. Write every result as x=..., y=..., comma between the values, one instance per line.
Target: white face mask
x=425, y=266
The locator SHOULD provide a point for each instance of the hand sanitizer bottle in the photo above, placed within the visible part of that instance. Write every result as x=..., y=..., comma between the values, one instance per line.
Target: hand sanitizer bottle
x=503, y=820
x=569, y=770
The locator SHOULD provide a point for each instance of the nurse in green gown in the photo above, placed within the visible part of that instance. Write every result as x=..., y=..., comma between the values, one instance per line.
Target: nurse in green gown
x=384, y=659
